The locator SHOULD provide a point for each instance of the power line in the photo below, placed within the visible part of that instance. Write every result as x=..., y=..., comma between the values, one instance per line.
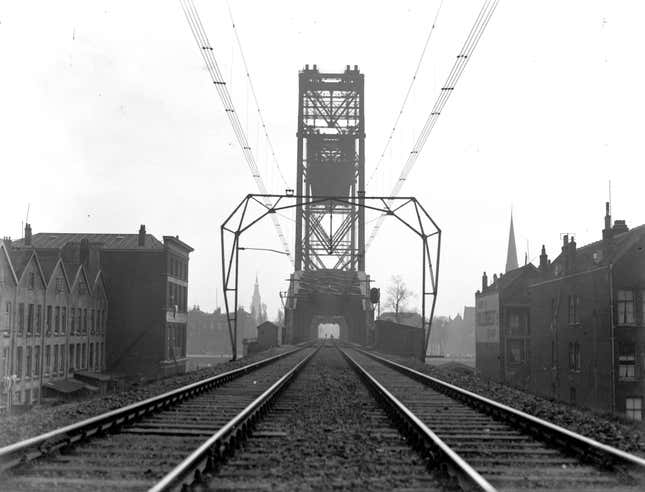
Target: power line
x=407, y=94
x=205, y=48
x=448, y=88
x=255, y=97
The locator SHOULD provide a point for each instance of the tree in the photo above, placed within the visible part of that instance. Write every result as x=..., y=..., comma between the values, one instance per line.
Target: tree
x=398, y=295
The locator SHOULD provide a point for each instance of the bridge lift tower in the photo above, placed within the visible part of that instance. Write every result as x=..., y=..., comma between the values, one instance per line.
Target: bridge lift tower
x=329, y=282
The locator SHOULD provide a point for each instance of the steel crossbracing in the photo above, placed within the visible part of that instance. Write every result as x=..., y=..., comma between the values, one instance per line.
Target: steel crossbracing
x=406, y=211
x=207, y=52
x=486, y=12
x=330, y=162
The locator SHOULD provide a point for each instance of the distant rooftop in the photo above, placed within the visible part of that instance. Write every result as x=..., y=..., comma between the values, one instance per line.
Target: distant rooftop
x=109, y=241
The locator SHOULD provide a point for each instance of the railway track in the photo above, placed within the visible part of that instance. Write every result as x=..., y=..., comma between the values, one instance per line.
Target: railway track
x=132, y=448
x=303, y=420
x=490, y=446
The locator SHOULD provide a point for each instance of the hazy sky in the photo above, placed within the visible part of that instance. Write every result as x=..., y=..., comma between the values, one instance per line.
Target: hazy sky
x=108, y=120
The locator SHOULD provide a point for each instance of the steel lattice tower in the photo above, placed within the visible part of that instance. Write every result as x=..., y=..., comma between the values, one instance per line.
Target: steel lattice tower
x=331, y=163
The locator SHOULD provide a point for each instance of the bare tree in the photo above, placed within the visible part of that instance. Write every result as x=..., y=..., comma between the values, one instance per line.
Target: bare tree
x=398, y=295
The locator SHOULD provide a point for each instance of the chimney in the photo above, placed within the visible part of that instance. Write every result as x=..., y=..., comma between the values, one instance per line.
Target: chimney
x=142, y=235
x=84, y=252
x=620, y=226
x=571, y=256
x=484, y=282
x=544, y=260
x=27, y=234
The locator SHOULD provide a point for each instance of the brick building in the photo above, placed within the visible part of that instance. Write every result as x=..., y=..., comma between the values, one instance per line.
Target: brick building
x=146, y=286
x=51, y=310
x=581, y=324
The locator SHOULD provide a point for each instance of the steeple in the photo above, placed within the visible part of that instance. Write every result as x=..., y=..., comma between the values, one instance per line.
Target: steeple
x=511, y=255
x=256, y=302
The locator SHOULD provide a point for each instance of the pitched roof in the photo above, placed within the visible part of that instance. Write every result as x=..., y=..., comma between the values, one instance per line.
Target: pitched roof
x=20, y=259
x=109, y=241
x=589, y=256
x=48, y=261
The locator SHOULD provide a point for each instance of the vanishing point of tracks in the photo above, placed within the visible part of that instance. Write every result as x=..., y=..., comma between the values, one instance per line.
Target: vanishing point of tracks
x=303, y=420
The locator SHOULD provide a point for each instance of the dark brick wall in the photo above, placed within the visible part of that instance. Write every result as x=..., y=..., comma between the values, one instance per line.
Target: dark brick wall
x=136, y=288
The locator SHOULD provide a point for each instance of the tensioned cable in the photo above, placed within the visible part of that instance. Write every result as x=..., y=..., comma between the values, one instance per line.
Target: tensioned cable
x=205, y=48
x=448, y=88
x=407, y=95
x=255, y=97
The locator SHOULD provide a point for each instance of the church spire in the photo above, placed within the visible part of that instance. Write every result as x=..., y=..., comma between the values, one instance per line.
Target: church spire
x=511, y=255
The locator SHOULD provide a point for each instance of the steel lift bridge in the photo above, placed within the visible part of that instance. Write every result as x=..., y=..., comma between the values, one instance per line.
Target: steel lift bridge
x=330, y=282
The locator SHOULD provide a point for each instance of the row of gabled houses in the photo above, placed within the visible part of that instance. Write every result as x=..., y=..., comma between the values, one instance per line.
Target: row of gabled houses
x=52, y=324
x=78, y=309
x=571, y=329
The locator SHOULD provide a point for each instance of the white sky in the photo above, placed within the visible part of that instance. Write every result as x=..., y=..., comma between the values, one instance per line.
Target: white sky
x=109, y=120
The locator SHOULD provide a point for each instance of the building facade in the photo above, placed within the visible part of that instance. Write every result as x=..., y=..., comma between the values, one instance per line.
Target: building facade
x=574, y=329
x=41, y=312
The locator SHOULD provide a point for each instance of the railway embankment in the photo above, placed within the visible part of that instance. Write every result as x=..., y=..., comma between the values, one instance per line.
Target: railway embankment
x=605, y=428
x=41, y=419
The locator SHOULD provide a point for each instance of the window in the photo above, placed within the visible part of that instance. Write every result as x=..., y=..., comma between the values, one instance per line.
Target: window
x=32, y=281
x=48, y=358
x=84, y=322
x=91, y=355
x=21, y=318
x=81, y=287
x=574, y=356
x=78, y=321
x=574, y=303
x=78, y=356
x=55, y=368
x=39, y=318
x=28, y=363
x=37, y=360
x=19, y=362
x=71, y=356
x=625, y=306
x=30, y=319
x=84, y=357
x=72, y=317
x=57, y=320
x=59, y=284
x=634, y=408
x=92, y=325
x=63, y=320
x=627, y=362
x=61, y=367
x=49, y=320
x=516, y=351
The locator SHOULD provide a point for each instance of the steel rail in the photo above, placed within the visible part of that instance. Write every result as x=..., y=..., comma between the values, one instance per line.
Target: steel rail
x=227, y=438
x=603, y=454
x=42, y=444
x=435, y=449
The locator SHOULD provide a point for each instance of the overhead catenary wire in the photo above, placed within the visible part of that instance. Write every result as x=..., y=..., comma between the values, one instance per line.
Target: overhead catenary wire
x=206, y=49
x=407, y=95
x=255, y=98
x=486, y=12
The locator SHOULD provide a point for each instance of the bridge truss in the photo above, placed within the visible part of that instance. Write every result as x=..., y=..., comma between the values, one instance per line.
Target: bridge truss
x=330, y=162
x=407, y=211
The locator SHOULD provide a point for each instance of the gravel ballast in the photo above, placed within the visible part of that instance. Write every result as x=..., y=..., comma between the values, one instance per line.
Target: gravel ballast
x=606, y=429
x=43, y=419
